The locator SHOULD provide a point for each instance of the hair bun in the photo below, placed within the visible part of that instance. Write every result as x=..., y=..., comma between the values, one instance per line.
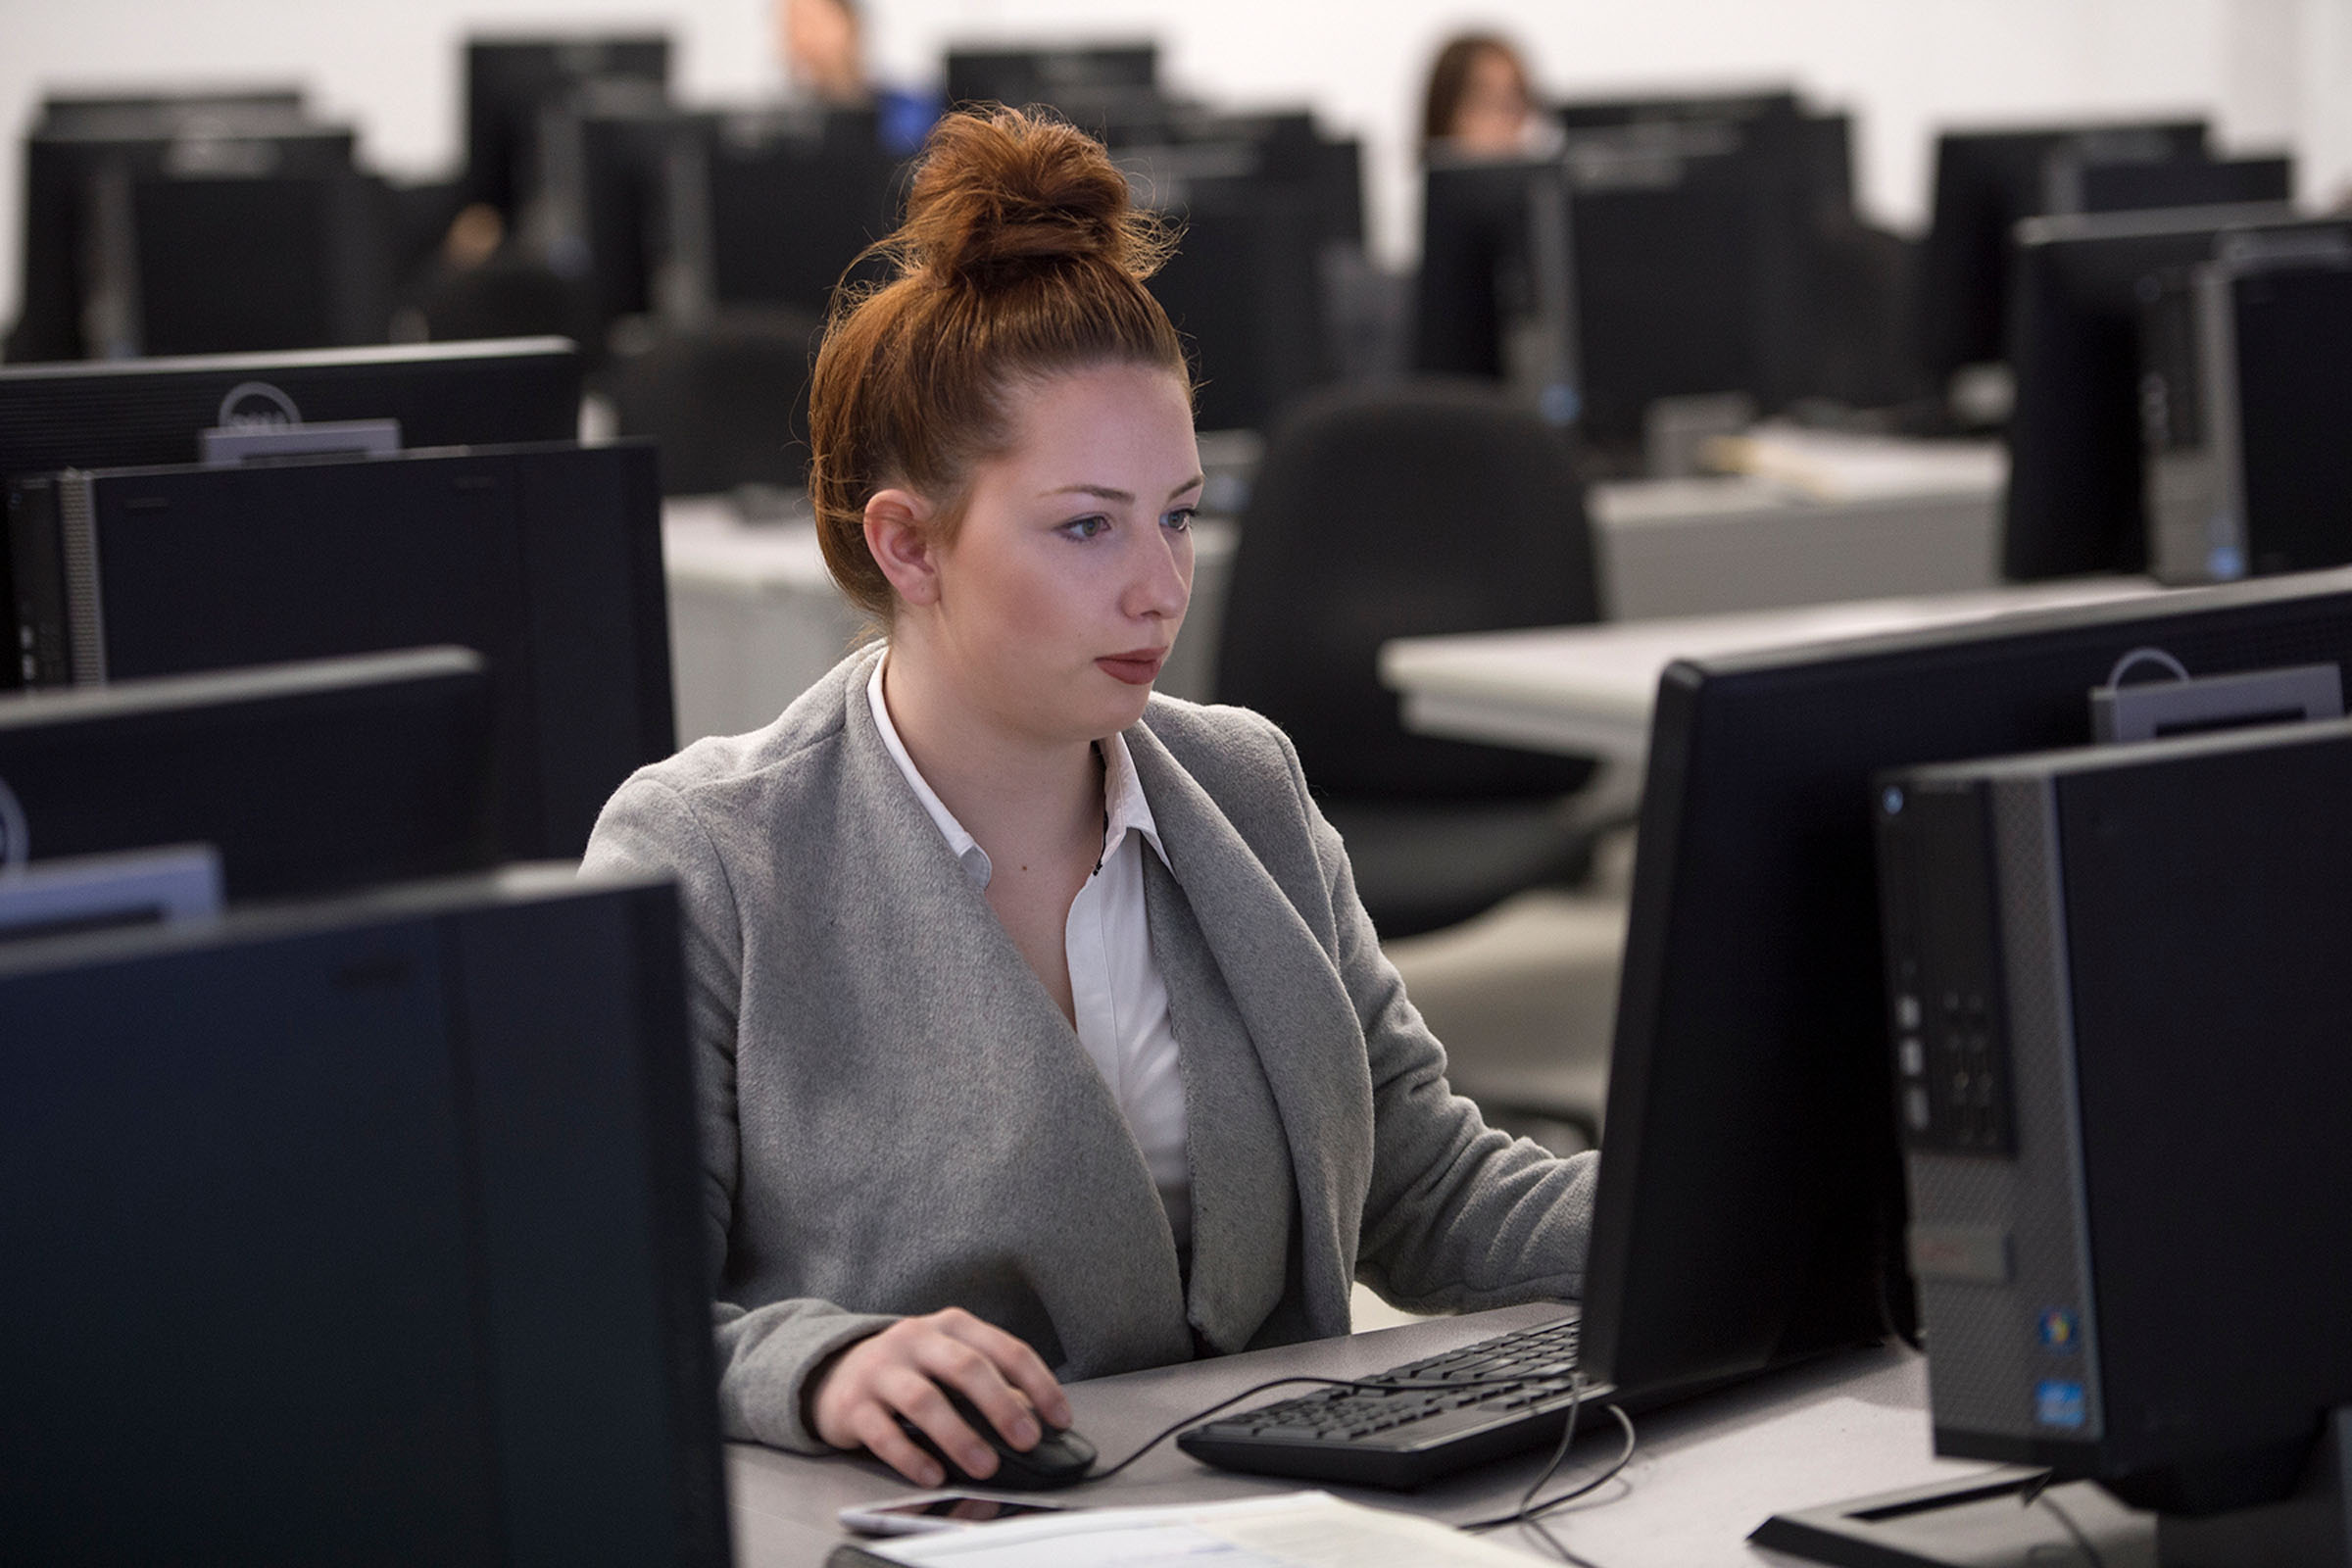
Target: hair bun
x=1002, y=192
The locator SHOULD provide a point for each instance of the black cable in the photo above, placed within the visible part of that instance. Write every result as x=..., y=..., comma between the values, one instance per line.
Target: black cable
x=1525, y=1513
x=2090, y=1553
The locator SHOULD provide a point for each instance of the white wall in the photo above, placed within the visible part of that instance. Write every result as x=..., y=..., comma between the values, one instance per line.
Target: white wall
x=2272, y=72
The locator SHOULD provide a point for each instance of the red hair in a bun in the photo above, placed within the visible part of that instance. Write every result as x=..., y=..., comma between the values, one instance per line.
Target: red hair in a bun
x=1021, y=255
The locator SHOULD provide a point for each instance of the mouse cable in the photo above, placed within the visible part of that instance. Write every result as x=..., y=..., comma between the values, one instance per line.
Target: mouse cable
x=1530, y=1511
x=1360, y=1384
x=2037, y=1491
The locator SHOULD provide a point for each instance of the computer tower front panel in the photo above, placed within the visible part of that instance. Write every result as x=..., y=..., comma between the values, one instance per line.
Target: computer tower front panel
x=1976, y=979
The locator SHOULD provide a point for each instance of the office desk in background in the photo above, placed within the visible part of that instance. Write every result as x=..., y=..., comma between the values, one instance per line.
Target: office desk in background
x=753, y=616
x=1589, y=691
x=1705, y=1474
x=754, y=619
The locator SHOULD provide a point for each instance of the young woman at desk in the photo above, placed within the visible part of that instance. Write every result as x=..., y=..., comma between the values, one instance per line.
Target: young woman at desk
x=1039, y=1029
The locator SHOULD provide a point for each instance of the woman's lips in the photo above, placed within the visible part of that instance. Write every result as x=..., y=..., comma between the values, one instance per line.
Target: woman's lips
x=1138, y=669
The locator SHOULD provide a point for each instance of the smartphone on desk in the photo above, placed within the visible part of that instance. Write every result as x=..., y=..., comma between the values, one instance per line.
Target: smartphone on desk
x=941, y=1510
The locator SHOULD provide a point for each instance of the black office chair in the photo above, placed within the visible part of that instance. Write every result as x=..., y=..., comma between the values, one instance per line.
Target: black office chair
x=1399, y=510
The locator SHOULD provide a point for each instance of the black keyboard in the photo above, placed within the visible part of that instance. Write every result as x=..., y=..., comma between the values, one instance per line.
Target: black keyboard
x=1479, y=1402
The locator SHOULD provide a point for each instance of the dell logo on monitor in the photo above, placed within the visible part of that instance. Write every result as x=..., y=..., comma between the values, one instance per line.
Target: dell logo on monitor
x=256, y=403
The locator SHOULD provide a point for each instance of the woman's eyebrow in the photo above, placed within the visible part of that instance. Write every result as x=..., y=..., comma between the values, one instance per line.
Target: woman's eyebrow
x=1104, y=492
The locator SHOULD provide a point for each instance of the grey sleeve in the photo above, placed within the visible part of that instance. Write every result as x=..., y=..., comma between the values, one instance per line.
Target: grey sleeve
x=766, y=1354
x=1459, y=1216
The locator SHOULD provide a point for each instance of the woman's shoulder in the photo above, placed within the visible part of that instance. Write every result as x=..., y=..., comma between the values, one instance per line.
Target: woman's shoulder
x=1240, y=756
x=722, y=784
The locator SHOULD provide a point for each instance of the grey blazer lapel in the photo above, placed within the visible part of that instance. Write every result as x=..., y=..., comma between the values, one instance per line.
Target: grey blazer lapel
x=973, y=1013
x=1300, y=1025
x=1243, y=1196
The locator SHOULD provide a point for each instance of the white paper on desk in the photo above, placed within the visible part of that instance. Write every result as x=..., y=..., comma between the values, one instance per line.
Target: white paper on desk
x=1297, y=1530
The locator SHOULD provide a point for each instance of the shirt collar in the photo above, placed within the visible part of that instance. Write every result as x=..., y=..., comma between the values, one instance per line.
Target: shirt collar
x=1124, y=809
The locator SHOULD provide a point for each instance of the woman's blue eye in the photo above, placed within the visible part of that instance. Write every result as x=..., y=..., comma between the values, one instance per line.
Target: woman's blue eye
x=1181, y=520
x=1086, y=527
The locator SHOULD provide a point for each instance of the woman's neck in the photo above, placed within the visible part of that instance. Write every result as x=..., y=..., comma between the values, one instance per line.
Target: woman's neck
x=1027, y=800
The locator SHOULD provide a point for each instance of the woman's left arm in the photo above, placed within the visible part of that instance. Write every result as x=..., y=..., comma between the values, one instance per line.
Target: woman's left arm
x=1457, y=1215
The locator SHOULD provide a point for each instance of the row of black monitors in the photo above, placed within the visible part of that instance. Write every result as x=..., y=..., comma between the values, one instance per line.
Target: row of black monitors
x=1749, y=1215
x=1710, y=249
x=470, y=519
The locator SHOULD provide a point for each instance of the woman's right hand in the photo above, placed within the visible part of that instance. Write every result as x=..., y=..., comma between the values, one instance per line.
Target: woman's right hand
x=901, y=1371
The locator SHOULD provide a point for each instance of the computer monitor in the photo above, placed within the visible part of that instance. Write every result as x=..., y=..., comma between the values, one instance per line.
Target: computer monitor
x=365, y=1232
x=511, y=81
x=144, y=412
x=1750, y=1205
x=78, y=282
x=1244, y=286
x=2125, y=187
x=2074, y=502
x=790, y=199
x=202, y=108
x=1069, y=77
x=1984, y=182
x=1690, y=266
x=306, y=778
x=546, y=559
x=258, y=263
x=1593, y=114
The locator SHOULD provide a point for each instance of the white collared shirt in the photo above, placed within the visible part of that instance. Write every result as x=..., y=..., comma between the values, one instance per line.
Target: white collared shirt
x=1116, y=984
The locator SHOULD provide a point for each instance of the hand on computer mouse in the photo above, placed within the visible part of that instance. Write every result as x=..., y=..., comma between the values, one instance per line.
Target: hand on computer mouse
x=906, y=1370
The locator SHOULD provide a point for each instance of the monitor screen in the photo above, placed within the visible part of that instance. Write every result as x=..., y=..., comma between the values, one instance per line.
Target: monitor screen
x=305, y=778
x=1751, y=1206
x=363, y=1232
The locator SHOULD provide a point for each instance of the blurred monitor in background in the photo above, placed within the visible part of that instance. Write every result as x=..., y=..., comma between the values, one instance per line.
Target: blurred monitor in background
x=1984, y=182
x=511, y=81
x=93, y=176
x=2074, y=502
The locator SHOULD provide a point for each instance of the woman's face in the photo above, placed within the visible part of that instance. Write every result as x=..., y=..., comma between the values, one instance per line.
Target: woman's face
x=1492, y=118
x=1060, y=594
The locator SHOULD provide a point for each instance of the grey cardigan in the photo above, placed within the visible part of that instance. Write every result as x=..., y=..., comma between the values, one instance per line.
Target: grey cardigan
x=897, y=1118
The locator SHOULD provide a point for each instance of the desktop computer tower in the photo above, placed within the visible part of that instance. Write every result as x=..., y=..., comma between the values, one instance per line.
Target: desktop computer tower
x=2120, y=1022
x=363, y=1231
x=2245, y=393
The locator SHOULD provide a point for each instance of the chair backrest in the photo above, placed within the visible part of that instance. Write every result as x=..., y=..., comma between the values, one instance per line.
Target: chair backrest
x=1396, y=510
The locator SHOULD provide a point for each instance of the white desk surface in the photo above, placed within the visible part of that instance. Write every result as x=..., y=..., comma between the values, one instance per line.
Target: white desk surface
x=1706, y=1472
x=1589, y=691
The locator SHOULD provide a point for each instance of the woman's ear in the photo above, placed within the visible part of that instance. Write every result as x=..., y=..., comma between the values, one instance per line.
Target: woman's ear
x=898, y=530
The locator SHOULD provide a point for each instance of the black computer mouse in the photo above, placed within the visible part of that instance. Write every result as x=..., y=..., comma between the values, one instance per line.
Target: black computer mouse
x=1061, y=1458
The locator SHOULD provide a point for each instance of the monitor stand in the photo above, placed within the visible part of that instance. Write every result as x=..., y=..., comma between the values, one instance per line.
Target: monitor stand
x=2012, y=1516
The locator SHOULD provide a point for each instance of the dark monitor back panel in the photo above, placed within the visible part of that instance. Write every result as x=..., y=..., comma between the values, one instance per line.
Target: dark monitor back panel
x=230, y=266
x=2181, y=182
x=1587, y=113
x=792, y=205
x=1750, y=1210
x=140, y=413
x=546, y=561
x=362, y=1233
x=507, y=80
x=1984, y=182
x=306, y=778
x=1052, y=75
x=2075, y=503
x=1245, y=293
x=74, y=172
